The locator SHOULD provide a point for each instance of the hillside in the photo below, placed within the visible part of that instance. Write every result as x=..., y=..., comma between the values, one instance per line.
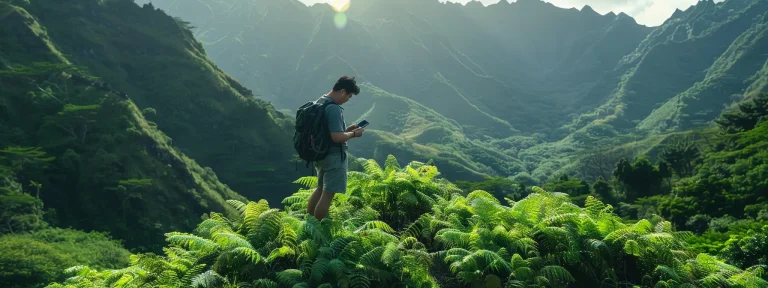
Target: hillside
x=209, y=115
x=621, y=155
x=429, y=235
x=123, y=122
x=539, y=84
x=700, y=60
x=409, y=130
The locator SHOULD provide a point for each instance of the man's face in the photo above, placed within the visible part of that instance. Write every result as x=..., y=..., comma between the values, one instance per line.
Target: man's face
x=345, y=96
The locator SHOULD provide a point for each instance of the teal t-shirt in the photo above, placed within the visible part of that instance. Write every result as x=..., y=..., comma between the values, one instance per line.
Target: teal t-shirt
x=335, y=118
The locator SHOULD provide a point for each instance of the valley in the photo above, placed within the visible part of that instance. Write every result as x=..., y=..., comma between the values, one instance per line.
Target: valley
x=566, y=80
x=147, y=144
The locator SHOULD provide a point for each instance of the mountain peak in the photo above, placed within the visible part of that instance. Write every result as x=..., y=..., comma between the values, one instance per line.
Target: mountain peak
x=677, y=14
x=535, y=4
x=475, y=3
x=529, y=1
x=623, y=17
x=588, y=9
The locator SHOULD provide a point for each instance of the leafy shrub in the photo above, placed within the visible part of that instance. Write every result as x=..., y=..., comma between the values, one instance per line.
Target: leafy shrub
x=454, y=241
x=37, y=258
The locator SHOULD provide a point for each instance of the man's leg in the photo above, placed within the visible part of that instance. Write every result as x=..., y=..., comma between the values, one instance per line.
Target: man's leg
x=335, y=182
x=315, y=198
x=323, y=205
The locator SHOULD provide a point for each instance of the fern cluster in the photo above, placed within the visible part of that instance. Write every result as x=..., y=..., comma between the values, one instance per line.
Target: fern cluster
x=402, y=226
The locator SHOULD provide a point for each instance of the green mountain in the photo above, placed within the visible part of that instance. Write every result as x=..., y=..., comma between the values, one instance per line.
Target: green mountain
x=114, y=120
x=700, y=60
x=562, y=81
x=737, y=72
x=410, y=130
x=119, y=125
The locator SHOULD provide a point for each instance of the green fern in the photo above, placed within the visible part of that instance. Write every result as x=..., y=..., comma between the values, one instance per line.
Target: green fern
x=404, y=227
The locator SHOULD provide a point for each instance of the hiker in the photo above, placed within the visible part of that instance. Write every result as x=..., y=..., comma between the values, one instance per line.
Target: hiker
x=332, y=168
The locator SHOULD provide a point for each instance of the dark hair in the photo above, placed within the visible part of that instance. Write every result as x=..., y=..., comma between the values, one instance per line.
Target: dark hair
x=347, y=83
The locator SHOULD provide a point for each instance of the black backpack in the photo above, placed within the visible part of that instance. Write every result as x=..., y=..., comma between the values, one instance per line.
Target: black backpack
x=312, y=137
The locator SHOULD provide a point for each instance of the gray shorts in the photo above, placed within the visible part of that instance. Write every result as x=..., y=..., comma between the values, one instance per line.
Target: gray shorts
x=332, y=173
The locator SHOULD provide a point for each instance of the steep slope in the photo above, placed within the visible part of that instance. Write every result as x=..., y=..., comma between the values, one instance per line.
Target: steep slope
x=506, y=62
x=492, y=74
x=738, y=74
x=85, y=114
x=696, y=61
x=537, y=83
x=710, y=56
x=406, y=129
x=159, y=65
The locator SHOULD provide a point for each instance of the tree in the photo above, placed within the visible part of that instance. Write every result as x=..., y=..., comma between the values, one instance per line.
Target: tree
x=74, y=120
x=745, y=117
x=600, y=163
x=604, y=191
x=640, y=179
x=665, y=173
x=681, y=157
x=565, y=184
x=20, y=213
x=26, y=163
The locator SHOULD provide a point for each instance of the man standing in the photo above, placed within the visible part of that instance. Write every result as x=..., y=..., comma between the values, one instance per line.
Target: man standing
x=332, y=170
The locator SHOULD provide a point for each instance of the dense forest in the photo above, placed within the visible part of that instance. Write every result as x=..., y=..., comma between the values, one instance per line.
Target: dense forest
x=511, y=145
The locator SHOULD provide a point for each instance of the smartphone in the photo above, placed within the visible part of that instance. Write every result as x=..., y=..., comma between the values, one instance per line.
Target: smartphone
x=362, y=124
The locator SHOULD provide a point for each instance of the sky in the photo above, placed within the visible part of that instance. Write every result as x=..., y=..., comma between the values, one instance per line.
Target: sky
x=645, y=12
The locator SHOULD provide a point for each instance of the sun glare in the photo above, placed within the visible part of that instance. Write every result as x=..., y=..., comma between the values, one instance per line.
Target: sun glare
x=339, y=5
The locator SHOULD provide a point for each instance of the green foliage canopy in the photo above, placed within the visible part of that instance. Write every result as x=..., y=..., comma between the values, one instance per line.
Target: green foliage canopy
x=541, y=240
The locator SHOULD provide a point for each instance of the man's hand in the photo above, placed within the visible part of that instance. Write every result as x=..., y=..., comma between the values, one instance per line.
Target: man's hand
x=358, y=132
x=352, y=132
x=351, y=127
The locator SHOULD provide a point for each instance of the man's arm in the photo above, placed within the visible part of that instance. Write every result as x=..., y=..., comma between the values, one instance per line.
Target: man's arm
x=341, y=137
x=338, y=133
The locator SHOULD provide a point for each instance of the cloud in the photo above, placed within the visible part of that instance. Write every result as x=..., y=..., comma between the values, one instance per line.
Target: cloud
x=645, y=12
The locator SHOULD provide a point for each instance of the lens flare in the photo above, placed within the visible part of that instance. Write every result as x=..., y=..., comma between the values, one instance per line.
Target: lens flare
x=339, y=5
x=340, y=19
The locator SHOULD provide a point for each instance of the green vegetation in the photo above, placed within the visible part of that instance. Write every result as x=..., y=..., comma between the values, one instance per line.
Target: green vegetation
x=95, y=160
x=85, y=149
x=532, y=89
x=575, y=148
x=40, y=257
x=158, y=64
x=402, y=226
x=497, y=75
x=410, y=130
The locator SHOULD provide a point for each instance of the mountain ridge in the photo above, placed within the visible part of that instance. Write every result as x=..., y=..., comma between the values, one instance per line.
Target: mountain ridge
x=504, y=72
x=125, y=114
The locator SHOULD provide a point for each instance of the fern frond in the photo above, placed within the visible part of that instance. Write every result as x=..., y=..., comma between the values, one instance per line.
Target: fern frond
x=289, y=277
x=376, y=224
x=240, y=206
x=229, y=240
x=249, y=254
x=307, y=181
x=283, y=251
x=264, y=283
x=191, y=242
x=476, y=194
x=319, y=270
x=189, y=275
x=556, y=275
x=208, y=279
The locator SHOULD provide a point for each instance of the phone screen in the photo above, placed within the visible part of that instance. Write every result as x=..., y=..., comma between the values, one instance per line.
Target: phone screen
x=362, y=124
